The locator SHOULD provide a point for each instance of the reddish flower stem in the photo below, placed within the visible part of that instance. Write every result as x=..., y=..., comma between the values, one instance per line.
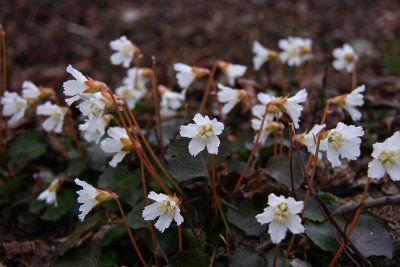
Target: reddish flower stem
x=208, y=88
x=214, y=184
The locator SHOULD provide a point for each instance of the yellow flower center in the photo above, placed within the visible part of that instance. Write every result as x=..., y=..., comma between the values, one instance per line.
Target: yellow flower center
x=19, y=105
x=349, y=57
x=126, y=144
x=101, y=196
x=281, y=213
x=292, y=52
x=242, y=94
x=336, y=140
x=304, y=50
x=388, y=158
x=126, y=50
x=166, y=207
x=56, y=115
x=205, y=131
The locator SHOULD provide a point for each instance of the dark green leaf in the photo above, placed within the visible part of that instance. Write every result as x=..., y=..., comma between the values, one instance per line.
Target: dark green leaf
x=135, y=218
x=26, y=147
x=113, y=234
x=86, y=256
x=190, y=259
x=76, y=167
x=321, y=235
x=66, y=201
x=122, y=181
x=184, y=166
x=244, y=218
x=109, y=259
x=244, y=257
x=278, y=167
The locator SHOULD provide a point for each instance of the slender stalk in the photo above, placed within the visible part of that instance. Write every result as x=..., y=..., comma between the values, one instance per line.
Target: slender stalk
x=290, y=246
x=325, y=112
x=281, y=142
x=255, y=146
x=217, y=103
x=291, y=134
x=156, y=99
x=314, y=167
x=135, y=246
x=149, y=223
x=208, y=88
x=75, y=136
x=276, y=254
x=353, y=222
x=180, y=238
x=309, y=73
x=214, y=184
x=133, y=120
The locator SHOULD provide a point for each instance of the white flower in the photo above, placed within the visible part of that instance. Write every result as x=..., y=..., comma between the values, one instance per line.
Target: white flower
x=56, y=115
x=261, y=55
x=14, y=106
x=94, y=107
x=50, y=194
x=230, y=97
x=281, y=214
x=170, y=100
x=30, y=90
x=119, y=144
x=89, y=197
x=75, y=89
x=186, y=74
x=269, y=126
x=138, y=77
x=232, y=71
x=345, y=58
x=386, y=158
x=203, y=133
x=350, y=101
x=166, y=208
x=295, y=50
x=292, y=107
x=343, y=141
x=93, y=130
x=309, y=139
x=125, y=51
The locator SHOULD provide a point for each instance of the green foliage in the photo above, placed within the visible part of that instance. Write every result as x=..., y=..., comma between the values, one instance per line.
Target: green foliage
x=28, y=146
x=184, y=166
x=278, y=167
x=84, y=256
x=135, y=218
x=244, y=257
x=66, y=200
x=189, y=259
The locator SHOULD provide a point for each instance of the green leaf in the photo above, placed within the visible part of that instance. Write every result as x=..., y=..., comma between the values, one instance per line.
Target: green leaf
x=135, y=218
x=76, y=167
x=109, y=259
x=244, y=218
x=189, y=259
x=244, y=257
x=82, y=228
x=280, y=262
x=371, y=238
x=86, y=256
x=113, y=234
x=122, y=181
x=278, y=167
x=312, y=212
x=184, y=166
x=66, y=200
x=321, y=235
x=27, y=147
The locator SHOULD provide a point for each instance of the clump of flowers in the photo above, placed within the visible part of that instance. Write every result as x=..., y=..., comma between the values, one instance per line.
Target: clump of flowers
x=295, y=50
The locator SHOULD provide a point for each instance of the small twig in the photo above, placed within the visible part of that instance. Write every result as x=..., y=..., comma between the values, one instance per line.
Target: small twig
x=377, y=202
x=207, y=89
x=156, y=98
x=276, y=253
x=214, y=184
x=180, y=238
x=291, y=134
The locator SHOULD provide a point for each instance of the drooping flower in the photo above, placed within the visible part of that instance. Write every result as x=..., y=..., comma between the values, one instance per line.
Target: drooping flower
x=343, y=141
x=204, y=134
x=80, y=88
x=232, y=71
x=309, y=139
x=262, y=55
x=89, y=197
x=134, y=86
x=349, y=102
x=166, y=208
x=345, y=58
x=30, y=90
x=50, y=194
x=386, y=158
x=170, y=100
x=270, y=126
x=187, y=74
x=55, y=120
x=119, y=144
x=281, y=214
x=296, y=50
x=14, y=106
x=230, y=97
x=125, y=51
